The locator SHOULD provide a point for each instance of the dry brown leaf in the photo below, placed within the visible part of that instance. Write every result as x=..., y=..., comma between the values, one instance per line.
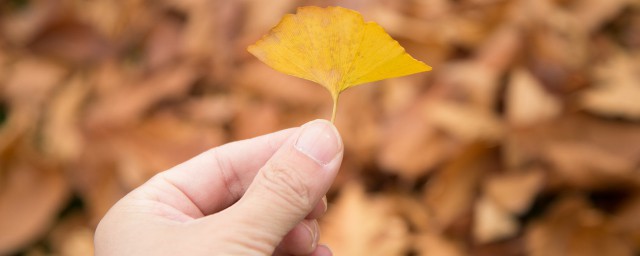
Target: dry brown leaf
x=399, y=94
x=62, y=137
x=24, y=89
x=515, y=191
x=259, y=79
x=22, y=26
x=590, y=14
x=5, y=63
x=411, y=146
x=453, y=189
x=406, y=27
x=263, y=16
x=254, y=118
x=616, y=141
x=32, y=194
x=513, y=73
x=105, y=16
x=465, y=122
x=428, y=244
x=71, y=236
x=164, y=44
x=125, y=106
x=12, y=132
x=414, y=211
x=95, y=180
x=626, y=221
x=71, y=42
x=583, y=164
x=362, y=225
x=527, y=101
x=492, y=222
x=79, y=243
x=478, y=86
x=360, y=133
x=209, y=110
x=500, y=50
x=206, y=39
x=571, y=227
x=617, y=89
x=159, y=144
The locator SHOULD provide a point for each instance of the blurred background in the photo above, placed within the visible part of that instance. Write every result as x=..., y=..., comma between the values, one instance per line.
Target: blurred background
x=523, y=140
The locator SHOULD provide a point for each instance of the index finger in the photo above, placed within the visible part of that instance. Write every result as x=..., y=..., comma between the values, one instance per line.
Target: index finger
x=217, y=178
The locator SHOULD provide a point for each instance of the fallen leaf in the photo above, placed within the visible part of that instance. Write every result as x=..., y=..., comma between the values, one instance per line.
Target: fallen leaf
x=123, y=107
x=515, y=191
x=591, y=14
x=436, y=244
x=95, y=180
x=528, y=102
x=626, y=221
x=617, y=90
x=571, y=227
x=587, y=166
x=492, y=222
x=337, y=50
x=22, y=26
x=399, y=94
x=254, y=118
x=360, y=133
x=411, y=134
x=71, y=42
x=360, y=225
x=32, y=195
x=450, y=193
x=23, y=89
x=158, y=144
x=72, y=236
x=62, y=136
x=280, y=87
x=465, y=122
x=111, y=92
x=210, y=110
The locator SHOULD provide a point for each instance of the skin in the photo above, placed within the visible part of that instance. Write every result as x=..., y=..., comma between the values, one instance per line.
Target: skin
x=260, y=196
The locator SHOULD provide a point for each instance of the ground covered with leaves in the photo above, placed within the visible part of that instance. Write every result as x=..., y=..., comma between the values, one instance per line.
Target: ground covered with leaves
x=523, y=140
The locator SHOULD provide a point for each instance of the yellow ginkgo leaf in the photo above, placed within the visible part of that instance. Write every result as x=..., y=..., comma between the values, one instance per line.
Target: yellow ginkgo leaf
x=334, y=47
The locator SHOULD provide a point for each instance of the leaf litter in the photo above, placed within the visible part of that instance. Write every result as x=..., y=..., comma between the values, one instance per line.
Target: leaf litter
x=523, y=141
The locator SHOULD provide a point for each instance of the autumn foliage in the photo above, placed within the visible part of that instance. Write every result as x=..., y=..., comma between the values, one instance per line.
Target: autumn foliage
x=524, y=139
x=335, y=48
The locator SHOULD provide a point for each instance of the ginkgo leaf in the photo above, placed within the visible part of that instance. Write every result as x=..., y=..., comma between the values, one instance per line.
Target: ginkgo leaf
x=335, y=48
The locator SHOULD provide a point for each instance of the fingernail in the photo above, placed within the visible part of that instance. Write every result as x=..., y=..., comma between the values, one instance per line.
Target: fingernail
x=320, y=141
x=313, y=231
x=316, y=234
x=326, y=205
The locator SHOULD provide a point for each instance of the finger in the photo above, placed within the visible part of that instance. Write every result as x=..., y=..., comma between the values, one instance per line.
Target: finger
x=322, y=250
x=290, y=184
x=319, y=210
x=218, y=177
x=301, y=240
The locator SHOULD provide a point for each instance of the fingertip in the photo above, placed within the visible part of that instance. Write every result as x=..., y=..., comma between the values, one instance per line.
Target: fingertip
x=320, y=141
x=302, y=239
x=322, y=250
x=319, y=210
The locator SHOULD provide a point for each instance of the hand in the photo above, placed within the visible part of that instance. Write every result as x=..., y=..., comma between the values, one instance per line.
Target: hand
x=260, y=196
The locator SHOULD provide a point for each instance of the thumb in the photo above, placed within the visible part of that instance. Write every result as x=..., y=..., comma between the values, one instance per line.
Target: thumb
x=290, y=184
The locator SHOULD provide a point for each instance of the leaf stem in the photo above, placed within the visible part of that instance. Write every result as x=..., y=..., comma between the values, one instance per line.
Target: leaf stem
x=335, y=107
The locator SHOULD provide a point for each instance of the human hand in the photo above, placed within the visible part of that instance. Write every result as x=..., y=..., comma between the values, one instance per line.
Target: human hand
x=260, y=196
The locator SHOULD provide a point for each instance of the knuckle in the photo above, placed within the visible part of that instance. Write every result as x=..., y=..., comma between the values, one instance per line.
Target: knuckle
x=287, y=182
